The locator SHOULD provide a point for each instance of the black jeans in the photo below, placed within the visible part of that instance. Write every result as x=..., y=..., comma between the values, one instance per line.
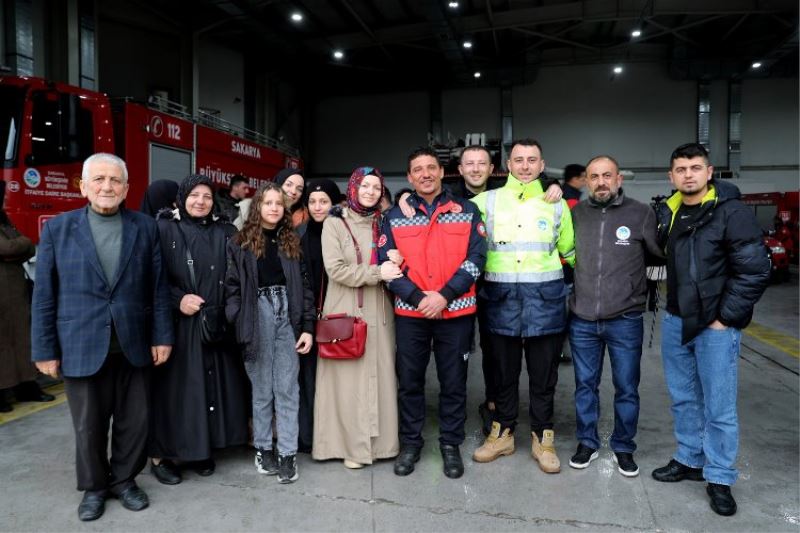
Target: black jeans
x=117, y=390
x=451, y=340
x=487, y=356
x=541, y=357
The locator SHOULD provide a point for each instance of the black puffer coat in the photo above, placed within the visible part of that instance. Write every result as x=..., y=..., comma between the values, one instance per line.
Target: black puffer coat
x=724, y=264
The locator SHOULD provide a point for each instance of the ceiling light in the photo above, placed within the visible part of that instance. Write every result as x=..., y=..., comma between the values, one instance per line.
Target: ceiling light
x=453, y=5
x=338, y=54
x=757, y=64
x=618, y=70
x=297, y=17
x=477, y=75
x=467, y=44
x=636, y=33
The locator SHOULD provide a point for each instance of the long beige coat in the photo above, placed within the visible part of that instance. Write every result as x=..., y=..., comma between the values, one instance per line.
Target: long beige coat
x=355, y=407
x=15, y=326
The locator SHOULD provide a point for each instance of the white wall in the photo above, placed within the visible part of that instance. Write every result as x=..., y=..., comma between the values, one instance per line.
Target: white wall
x=471, y=111
x=579, y=111
x=770, y=125
x=378, y=130
x=221, y=86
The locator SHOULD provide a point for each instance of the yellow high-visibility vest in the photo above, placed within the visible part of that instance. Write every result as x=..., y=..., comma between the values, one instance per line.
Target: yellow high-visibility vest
x=525, y=234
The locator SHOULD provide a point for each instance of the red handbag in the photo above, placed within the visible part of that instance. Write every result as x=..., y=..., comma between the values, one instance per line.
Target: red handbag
x=341, y=336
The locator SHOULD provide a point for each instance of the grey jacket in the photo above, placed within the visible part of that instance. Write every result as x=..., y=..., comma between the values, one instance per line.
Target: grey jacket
x=611, y=245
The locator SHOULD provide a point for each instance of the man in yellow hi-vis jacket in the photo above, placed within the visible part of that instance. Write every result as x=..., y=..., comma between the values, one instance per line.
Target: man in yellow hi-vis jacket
x=526, y=300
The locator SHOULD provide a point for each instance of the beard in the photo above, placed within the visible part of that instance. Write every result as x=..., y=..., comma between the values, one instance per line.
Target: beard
x=611, y=196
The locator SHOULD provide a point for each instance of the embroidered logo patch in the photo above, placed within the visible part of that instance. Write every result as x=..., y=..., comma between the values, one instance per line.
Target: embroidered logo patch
x=542, y=224
x=456, y=208
x=481, y=229
x=623, y=233
x=382, y=241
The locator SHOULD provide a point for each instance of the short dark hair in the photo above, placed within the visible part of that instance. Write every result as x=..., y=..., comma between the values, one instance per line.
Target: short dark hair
x=237, y=178
x=474, y=148
x=689, y=151
x=526, y=142
x=419, y=152
x=387, y=194
x=603, y=156
x=573, y=171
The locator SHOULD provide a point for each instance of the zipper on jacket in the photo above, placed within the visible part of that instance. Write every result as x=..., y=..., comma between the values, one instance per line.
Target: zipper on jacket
x=599, y=264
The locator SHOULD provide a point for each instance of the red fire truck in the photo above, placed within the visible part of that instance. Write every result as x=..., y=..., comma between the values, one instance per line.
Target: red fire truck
x=47, y=129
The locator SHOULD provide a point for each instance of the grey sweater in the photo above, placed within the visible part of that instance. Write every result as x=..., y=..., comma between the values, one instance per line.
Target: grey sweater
x=107, y=235
x=611, y=244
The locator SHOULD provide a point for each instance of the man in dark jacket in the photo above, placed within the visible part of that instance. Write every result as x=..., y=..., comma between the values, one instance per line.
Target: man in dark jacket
x=574, y=183
x=613, y=235
x=101, y=315
x=227, y=200
x=717, y=269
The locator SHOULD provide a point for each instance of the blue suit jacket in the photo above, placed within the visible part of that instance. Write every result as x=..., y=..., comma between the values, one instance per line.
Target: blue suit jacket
x=74, y=306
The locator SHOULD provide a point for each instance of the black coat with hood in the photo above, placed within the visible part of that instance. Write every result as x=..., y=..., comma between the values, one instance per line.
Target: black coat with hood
x=723, y=263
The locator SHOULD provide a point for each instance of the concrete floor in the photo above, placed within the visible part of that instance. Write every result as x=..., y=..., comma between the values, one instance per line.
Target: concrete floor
x=511, y=494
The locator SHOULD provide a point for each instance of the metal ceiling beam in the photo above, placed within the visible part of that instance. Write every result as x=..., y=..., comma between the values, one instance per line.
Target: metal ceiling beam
x=733, y=28
x=550, y=37
x=491, y=25
x=366, y=28
x=648, y=37
x=548, y=14
x=676, y=33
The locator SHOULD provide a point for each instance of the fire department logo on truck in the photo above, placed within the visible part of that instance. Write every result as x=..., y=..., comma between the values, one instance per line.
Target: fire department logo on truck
x=32, y=178
x=156, y=126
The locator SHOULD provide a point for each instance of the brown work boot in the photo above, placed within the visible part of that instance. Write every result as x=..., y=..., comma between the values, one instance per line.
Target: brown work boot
x=495, y=445
x=545, y=452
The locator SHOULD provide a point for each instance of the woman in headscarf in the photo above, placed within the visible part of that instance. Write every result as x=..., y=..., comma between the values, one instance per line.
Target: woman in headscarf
x=355, y=407
x=159, y=195
x=16, y=370
x=200, y=395
x=320, y=196
x=292, y=183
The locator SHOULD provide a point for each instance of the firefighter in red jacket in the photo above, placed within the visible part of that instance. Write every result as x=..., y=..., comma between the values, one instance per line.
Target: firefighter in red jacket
x=443, y=251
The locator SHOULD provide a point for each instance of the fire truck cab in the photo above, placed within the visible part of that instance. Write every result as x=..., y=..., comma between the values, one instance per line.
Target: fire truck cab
x=48, y=129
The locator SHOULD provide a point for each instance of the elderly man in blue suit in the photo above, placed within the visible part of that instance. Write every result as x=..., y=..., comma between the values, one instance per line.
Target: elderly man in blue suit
x=101, y=313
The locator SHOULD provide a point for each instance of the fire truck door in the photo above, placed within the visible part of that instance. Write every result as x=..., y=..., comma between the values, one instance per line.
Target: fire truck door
x=169, y=163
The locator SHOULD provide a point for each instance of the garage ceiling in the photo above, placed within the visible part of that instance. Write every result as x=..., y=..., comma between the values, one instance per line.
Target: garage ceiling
x=402, y=44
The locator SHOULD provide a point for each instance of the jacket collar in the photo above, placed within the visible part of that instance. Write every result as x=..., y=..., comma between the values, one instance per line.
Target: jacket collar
x=524, y=191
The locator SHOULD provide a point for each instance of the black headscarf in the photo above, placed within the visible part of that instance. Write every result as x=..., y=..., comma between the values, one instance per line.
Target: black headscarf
x=160, y=194
x=312, y=238
x=282, y=175
x=187, y=186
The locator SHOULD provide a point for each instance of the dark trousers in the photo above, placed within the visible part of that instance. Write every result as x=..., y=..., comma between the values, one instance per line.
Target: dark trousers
x=487, y=357
x=308, y=385
x=541, y=358
x=451, y=341
x=117, y=390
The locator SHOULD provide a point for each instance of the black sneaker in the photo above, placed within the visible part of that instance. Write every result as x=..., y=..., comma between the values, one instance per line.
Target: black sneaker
x=287, y=469
x=583, y=456
x=675, y=471
x=266, y=462
x=625, y=464
x=722, y=501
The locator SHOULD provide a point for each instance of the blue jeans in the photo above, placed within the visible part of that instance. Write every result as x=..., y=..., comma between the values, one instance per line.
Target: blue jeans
x=702, y=380
x=588, y=341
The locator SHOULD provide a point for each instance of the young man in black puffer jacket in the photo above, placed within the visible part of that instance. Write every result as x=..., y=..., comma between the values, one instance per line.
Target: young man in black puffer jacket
x=717, y=269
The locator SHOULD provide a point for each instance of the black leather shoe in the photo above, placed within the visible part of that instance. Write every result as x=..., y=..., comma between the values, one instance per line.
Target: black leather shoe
x=133, y=498
x=166, y=472
x=676, y=471
x=30, y=391
x=205, y=468
x=92, y=506
x=404, y=464
x=453, y=465
x=722, y=501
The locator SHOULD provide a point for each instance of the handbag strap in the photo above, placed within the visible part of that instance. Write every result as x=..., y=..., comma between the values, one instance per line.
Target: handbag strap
x=360, y=290
x=189, y=260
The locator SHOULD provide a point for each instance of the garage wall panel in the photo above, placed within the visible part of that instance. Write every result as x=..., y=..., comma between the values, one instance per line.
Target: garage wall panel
x=769, y=122
x=221, y=87
x=471, y=111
